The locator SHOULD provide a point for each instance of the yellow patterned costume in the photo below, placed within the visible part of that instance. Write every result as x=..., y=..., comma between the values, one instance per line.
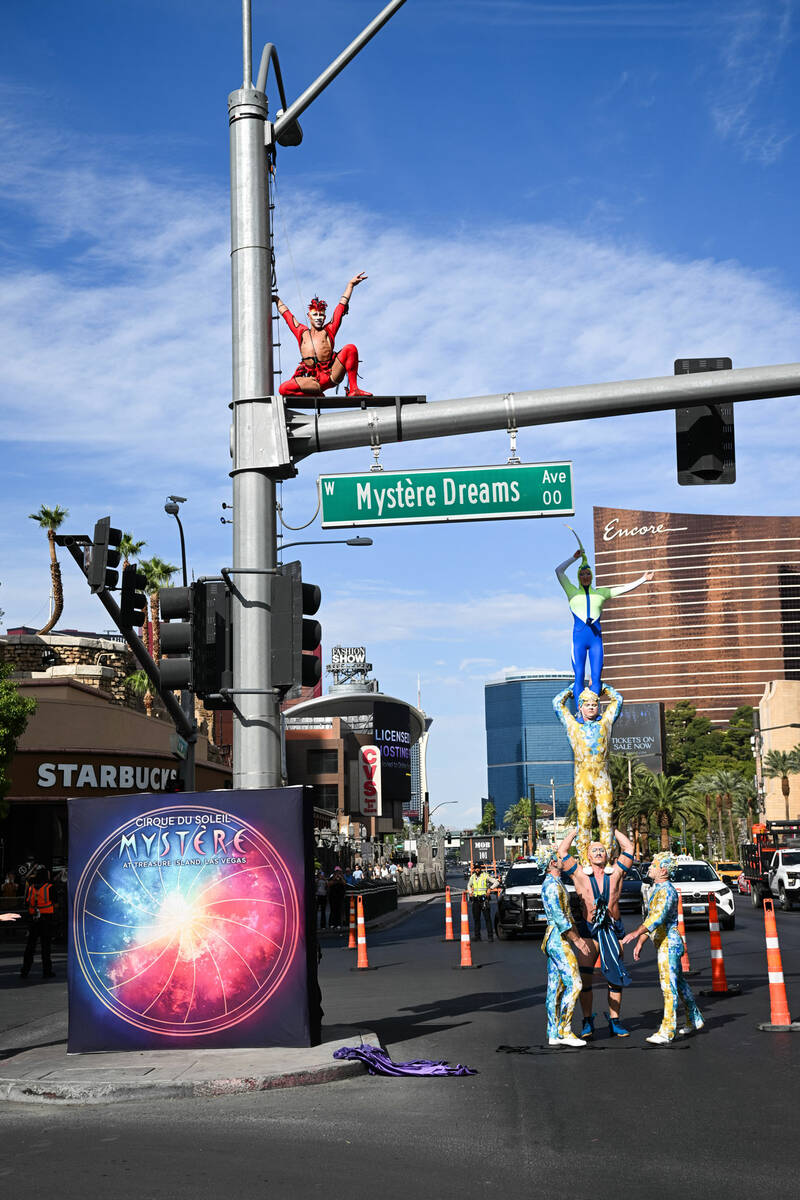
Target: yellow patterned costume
x=590, y=741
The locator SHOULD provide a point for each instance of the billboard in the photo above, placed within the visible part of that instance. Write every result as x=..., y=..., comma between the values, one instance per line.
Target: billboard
x=639, y=731
x=369, y=779
x=391, y=734
x=487, y=849
x=189, y=924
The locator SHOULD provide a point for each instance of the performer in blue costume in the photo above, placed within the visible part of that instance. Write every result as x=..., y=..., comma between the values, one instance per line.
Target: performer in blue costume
x=661, y=924
x=563, y=974
x=598, y=886
x=586, y=604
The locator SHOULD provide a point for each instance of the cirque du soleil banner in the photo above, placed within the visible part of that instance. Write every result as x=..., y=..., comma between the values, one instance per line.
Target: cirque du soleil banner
x=188, y=921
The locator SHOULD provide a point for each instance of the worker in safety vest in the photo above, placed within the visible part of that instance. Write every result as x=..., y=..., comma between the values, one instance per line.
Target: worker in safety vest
x=41, y=910
x=479, y=889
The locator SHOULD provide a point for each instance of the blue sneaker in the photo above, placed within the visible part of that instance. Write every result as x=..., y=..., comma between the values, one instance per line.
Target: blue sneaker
x=588, y=1027
x=615, y=1029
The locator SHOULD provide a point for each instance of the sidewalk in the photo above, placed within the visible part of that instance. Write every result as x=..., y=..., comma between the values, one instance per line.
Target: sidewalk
x=35, y=1066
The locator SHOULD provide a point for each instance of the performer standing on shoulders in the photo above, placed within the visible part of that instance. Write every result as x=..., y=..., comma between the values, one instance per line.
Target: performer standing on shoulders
x=586, y=604
x=322, y=366
x=590, y=736
x=598, y=887
x=661, y=924
x=563, y=974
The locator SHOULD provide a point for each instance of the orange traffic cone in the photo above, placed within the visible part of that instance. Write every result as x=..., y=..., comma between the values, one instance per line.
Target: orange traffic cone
x=449, y=936
x=351, y=943
x=363, y=961
x=466, y=963
x=779, y=1018
x=719, y=982
x=685, y=964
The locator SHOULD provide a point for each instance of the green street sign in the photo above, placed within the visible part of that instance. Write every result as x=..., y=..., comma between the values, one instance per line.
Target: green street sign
x=459, y=494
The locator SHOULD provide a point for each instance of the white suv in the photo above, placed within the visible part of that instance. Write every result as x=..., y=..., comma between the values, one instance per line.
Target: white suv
x=694, y=878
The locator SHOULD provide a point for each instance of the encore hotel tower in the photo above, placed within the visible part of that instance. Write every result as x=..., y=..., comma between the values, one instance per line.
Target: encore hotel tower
x=721, y=617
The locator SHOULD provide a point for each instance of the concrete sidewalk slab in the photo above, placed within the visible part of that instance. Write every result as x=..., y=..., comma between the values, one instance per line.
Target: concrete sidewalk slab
x=48, y=1075
x=406, y=907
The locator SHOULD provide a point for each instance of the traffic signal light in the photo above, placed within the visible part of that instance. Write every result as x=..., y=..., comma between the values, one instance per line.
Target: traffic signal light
x=294, y=638
x=133, y=601
x=104, y=556
x=704, y=434
x=198, y=641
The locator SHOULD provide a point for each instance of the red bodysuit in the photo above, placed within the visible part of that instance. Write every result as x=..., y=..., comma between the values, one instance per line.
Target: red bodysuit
x=321, y=371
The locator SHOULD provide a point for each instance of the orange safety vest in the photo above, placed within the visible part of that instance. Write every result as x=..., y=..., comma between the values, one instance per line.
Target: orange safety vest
x=40, y=901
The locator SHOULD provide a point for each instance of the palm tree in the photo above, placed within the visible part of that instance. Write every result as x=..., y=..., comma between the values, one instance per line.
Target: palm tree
x=779, y=764
x=129, y=549
x=50, y=519
x=664, y=797
x=139, y=685
x=157, y=573
x=727, y=785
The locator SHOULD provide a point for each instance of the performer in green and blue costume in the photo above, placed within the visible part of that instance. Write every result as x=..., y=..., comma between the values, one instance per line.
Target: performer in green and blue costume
x=563, y=974
x=661, y=924
x=586, y=604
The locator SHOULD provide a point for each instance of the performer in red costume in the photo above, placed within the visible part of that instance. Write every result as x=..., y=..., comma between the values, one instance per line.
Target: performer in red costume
x=322, y=366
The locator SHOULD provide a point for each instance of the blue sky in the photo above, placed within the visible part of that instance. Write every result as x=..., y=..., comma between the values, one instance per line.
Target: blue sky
x=541, y=194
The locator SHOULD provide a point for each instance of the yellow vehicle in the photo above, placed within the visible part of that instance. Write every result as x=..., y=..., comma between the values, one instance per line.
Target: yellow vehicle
x=729, y=871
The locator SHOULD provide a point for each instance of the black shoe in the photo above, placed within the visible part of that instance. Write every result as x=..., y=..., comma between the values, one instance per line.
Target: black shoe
x=49, y=975
x=23, y=974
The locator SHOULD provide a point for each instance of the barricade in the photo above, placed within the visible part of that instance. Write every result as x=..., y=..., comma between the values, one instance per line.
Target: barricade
x=685, y=964
x=361, y=937
x=779, y=1018
x=466, y=963
x=719, y=982
x=449, y=936
x=351, y=944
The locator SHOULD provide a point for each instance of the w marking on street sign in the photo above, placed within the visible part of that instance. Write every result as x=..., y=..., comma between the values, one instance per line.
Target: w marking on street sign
x=328, y=485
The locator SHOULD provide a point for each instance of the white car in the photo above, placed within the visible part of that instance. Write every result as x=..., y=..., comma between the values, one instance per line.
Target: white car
x=695, y=878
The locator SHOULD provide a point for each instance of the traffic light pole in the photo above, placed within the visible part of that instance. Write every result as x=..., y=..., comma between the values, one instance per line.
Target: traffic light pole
x=310, y=433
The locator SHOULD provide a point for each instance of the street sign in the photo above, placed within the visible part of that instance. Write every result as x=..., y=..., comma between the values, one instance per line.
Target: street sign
x=495, y=493
x=178, y=745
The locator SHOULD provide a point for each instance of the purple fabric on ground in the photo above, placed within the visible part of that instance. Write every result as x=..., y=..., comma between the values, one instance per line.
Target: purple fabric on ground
x=378, y=1062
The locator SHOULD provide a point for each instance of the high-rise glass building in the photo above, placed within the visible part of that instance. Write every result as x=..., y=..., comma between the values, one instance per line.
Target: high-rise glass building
x=525, y=742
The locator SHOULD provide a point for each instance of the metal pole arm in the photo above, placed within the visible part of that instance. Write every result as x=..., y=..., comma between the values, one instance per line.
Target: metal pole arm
x=310, y=432
x=284, y=120
x=187, y=728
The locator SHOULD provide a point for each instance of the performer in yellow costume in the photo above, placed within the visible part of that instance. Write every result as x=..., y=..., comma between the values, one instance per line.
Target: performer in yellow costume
x=590, y=736
x=661, y=924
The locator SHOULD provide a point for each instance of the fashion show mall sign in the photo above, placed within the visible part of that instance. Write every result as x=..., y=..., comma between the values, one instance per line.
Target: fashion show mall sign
x=440, y=495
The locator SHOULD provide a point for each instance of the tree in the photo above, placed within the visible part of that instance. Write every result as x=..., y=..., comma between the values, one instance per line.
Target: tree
x=488, y=822
x=158, y=574
x=664, y=798
x=138, y=684
x=129, y=549
x=780, y=764
x=50, y=519
x=519, y=821
x=15, y=712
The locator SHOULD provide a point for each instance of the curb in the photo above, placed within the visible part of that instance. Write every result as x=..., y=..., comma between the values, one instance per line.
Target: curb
x=378, y=924
x=64, y=1092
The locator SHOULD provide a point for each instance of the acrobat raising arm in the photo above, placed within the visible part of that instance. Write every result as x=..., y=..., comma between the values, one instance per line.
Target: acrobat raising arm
x=621, y=588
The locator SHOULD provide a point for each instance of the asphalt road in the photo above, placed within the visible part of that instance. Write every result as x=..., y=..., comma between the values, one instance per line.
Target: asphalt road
x=714, y=1115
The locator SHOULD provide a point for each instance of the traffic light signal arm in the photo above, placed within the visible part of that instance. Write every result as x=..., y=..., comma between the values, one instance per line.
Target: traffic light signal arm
x=184, y=726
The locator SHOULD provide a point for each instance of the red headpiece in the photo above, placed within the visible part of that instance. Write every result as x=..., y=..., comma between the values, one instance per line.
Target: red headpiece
x=319, y=305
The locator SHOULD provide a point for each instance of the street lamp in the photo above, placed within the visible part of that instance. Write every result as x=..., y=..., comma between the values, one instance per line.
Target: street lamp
x=353, y=541
x=172, y=507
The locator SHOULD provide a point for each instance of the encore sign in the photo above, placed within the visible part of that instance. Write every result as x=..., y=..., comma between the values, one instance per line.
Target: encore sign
x=459, y=494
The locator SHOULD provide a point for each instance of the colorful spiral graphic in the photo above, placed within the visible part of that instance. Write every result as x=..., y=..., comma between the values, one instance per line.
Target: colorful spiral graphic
x=185, y=921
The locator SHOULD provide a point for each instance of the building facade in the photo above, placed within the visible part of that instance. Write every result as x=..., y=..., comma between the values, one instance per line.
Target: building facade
x=720, y=619
x=525, y=743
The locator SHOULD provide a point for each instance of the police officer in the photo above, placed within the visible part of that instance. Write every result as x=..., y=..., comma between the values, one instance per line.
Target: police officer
x=479, y=890
x=39, y=903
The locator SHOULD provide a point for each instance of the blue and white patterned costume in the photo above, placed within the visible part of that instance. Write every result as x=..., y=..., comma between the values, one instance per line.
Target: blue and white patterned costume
x=590, y=742
x=661, y=924
x=563, y=975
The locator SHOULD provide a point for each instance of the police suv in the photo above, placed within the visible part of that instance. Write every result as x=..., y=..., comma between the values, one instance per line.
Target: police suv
x=519, y=904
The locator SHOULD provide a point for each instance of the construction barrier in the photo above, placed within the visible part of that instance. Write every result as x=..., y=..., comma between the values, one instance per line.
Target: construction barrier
x=719, y=981
x=685, y=964
x=449, y=936
x=466, y=963
x=361, y=938
x=779, y=1018
x=351, y=943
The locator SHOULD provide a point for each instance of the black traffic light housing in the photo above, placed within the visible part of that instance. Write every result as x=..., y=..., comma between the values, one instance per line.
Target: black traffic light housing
x=104, y=556
x=133, y=601
x=704, y=434
x=197, y=638
x=294, y=636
